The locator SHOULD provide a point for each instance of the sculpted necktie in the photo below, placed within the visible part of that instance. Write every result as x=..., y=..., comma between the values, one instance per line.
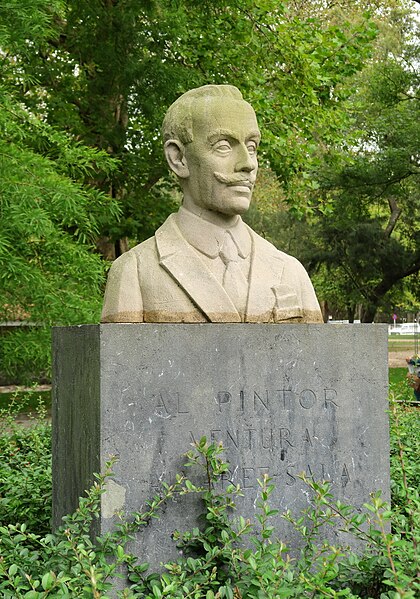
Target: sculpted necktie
x=234, y=280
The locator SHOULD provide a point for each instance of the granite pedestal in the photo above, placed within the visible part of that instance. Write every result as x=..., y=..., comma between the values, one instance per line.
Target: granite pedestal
x=283, y=399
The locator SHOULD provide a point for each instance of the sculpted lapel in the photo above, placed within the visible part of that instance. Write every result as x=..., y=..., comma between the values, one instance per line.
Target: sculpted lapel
x=181, y=261
x=266, y=270
x=269, y=298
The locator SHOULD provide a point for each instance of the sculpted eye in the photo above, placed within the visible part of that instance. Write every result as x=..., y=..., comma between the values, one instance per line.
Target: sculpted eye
x=222, y=146
x=252, y=148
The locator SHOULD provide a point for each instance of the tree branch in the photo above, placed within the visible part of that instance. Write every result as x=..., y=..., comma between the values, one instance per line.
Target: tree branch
x=394, y=216
x=385, y=285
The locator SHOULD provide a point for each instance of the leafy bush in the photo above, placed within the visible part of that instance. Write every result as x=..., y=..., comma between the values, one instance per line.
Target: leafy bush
x=225, y=558
x=25, y=469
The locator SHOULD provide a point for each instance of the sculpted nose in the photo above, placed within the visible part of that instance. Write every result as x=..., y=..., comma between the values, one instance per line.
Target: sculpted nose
x=245, y=162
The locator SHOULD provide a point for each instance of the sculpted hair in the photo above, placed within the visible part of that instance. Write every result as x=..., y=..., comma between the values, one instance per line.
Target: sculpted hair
x=178, y=121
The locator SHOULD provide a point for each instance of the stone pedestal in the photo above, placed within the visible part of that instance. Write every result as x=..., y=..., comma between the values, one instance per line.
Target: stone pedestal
x=283, y=399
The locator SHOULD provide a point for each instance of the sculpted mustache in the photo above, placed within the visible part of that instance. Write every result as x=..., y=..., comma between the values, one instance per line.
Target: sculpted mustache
x=233, y=179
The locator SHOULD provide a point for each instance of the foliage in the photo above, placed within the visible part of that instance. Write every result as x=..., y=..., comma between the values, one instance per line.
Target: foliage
x=228, y=558
x=368, y=234
x=405, y=449
x=84, y=86
x=353, y=207
x=25, y=468
x=49, y=214
x=26, y=399
x=398, y=379
x=112, y=69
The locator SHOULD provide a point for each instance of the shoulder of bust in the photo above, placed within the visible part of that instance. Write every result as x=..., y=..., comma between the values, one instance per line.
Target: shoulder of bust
x=149, y=245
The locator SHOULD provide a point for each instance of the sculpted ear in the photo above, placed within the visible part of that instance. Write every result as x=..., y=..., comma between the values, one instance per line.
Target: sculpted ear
x=174, y=152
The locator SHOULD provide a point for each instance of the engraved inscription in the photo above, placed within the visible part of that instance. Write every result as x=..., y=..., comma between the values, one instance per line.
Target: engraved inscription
x=248, y=476
x=223, y=397
x=264, y=431
x=253, y=438
x=307, y=399
x=260, y=401
x=169, y=403
x=345, y=477
x=307, y=437
x=330, y=397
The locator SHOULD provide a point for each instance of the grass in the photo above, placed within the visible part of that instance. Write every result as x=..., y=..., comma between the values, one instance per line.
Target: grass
x=399, y=386
x=397, y=376
x=402, y=343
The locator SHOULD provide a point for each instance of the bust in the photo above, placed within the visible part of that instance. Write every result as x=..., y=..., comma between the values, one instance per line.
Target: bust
x=204, y=264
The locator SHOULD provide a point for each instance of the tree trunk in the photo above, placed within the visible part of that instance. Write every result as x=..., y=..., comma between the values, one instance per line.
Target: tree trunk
x=106, y=248
x=323, y=304
x=368, y=312
x=121, y=246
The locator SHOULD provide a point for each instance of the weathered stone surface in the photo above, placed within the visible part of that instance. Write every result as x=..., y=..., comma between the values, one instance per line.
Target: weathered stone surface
x=283, y=399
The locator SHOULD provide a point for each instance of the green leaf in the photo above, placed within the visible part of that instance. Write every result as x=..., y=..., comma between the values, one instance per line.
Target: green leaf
x=48, y=581
x=12, y=570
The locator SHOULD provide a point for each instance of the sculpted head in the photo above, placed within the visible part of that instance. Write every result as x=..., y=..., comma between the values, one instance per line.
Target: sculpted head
x=211, y=137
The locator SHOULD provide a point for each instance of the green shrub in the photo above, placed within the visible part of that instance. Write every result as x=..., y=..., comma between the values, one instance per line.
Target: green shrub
x=25, y=469
x=217, y=563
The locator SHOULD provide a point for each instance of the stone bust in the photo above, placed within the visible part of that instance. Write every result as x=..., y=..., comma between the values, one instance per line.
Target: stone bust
x=204, y=264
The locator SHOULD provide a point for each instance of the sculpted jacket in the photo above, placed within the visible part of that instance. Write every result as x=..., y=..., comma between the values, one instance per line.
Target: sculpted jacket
x=163, y=279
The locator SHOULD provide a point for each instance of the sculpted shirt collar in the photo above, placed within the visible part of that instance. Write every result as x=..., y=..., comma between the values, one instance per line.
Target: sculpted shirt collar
x=208, y=238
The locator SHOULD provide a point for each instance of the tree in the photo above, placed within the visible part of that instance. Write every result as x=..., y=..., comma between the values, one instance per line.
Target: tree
x=370, y=233
x=116, y=65
x=49, y=217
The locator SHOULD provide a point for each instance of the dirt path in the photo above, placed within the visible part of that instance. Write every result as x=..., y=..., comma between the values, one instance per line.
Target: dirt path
x=13, y=388
x=396, y=359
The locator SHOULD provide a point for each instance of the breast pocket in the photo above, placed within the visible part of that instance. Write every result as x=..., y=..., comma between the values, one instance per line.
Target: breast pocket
x=287, y=306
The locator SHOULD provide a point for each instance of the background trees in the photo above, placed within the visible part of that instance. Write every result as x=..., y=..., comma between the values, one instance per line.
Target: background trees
x=49, y=215
x=370, y=235
x=358, y=226
x=116, y=65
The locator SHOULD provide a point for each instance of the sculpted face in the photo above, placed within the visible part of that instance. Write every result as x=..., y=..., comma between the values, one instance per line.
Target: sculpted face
x=221, y=161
